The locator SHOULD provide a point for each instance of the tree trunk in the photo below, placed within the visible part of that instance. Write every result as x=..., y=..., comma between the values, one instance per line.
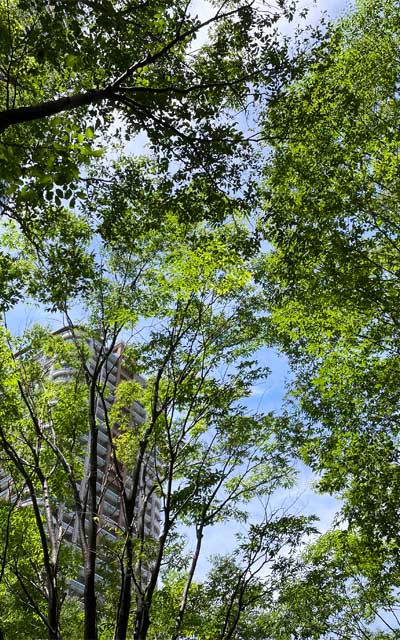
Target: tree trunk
x=90, y=628
x=53, y=609
x=185, y=595
x=125, y=596
x=142, y=620
x=90, y=602
x=130, y=514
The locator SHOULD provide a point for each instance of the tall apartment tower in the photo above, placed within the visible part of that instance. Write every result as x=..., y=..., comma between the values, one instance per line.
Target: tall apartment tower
x=110, y=512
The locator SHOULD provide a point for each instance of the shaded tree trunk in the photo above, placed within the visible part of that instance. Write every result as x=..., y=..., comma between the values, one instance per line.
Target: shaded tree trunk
x=90, y=601
x=53, y=608
x=125, y=595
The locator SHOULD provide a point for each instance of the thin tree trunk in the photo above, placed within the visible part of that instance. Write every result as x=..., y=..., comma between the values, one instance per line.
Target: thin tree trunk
x=125, y=594
x=89, y=597
x=53, y=608
x=53, y=604
x=142, y=620
x=189, y=580
x=125, y=599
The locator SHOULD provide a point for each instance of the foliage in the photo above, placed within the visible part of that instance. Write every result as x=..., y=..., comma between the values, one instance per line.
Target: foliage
x=159, y=253
x=339, y=591
x=239, y=589
x=182, y=296
x=80, y=77
x=331, y=203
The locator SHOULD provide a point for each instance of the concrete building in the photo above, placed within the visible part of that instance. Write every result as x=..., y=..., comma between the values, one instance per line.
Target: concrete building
x=110, y=512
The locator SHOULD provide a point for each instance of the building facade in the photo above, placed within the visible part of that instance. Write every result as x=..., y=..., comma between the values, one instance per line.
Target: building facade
x=111, y=514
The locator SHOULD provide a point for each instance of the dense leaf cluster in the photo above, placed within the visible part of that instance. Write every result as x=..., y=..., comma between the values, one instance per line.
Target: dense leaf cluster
x=332, y=215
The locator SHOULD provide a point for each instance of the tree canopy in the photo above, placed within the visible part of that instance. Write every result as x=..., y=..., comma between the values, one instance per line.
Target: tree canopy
x=78, y=76
x=194, y=285
x=332, y=215
x=171, y=254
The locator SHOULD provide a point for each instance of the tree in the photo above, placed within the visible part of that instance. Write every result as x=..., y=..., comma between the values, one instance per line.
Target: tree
x=331, y=202
x=238, y=594
x=35, y=415
x=131, y=55
x=339, y=591
x=192, y=282
x=79, y=77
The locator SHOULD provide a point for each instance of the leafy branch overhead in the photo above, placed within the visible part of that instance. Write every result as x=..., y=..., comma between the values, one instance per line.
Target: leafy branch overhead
x=77, y=77
x=139, y=57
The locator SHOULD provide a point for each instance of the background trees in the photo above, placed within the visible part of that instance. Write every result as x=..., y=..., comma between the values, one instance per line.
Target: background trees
x=332, y=213
x=183, y=297
x=162, y=253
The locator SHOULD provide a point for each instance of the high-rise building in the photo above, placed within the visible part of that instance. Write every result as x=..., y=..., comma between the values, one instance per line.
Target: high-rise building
x=108, y=488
